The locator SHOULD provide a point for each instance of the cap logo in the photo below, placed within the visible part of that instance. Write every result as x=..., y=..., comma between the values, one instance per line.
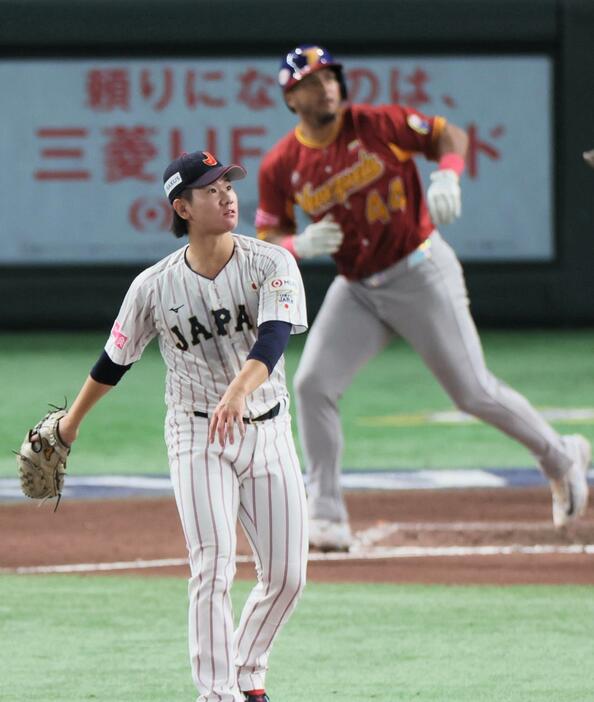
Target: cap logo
x=313, y=55
x=172, y=182
x=210, y=160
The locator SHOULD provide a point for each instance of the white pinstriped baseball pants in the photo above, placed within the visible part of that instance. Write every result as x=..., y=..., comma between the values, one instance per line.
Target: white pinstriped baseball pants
x=423, y=299
x=257, y=479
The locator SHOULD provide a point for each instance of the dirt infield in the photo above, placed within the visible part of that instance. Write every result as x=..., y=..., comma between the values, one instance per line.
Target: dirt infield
x=501, y=536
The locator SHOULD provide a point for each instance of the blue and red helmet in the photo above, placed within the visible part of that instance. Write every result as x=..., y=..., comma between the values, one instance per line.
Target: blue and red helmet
x=307, y=59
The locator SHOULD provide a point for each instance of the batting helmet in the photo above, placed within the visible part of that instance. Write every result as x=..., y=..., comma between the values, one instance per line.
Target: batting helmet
x=306, y=59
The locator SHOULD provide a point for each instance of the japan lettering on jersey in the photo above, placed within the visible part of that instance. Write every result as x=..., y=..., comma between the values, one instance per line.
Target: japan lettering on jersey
x=364, y=175
x=206, y=328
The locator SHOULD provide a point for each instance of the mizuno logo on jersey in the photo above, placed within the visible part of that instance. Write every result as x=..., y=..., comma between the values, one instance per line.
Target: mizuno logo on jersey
x=335, y=191
x=222, y=325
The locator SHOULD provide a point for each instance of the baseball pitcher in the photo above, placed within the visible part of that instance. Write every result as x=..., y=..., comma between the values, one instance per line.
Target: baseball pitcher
x=223, y=308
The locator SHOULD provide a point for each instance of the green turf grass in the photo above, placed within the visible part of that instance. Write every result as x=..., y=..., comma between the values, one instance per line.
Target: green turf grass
x=120, y=639
x=124, y=433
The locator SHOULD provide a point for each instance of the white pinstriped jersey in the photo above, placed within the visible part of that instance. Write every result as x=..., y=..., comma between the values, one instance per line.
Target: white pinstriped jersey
x=206, y=328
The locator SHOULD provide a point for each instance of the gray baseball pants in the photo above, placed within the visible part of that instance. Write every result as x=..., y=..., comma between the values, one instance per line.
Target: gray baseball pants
x=423, y=299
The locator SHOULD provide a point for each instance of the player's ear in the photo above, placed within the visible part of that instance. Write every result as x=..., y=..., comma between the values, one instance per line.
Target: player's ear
x=180, y=205
x=290, y=99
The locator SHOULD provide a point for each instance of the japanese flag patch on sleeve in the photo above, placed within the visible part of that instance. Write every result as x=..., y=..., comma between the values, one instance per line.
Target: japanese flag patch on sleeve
x=283, y=298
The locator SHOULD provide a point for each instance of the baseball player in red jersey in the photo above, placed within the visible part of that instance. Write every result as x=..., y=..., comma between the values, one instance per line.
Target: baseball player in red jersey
x=223, y=308
x=351, y=169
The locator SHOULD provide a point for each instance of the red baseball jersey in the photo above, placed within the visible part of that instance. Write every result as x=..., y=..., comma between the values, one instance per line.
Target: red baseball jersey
x=364, y=175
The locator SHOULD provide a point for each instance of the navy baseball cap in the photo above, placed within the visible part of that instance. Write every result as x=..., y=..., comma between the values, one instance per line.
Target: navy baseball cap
x=196, y=170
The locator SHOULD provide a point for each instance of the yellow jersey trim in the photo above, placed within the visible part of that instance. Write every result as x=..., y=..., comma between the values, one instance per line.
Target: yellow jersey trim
x=439, y=124
x=312, y=143
x=400, y=154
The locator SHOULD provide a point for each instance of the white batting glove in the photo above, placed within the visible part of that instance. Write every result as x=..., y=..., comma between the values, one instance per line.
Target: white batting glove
x=589, y=157
x=319, y=238
x=444, y=197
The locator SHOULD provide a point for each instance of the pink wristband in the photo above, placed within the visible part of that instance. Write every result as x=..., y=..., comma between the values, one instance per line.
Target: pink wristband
x=453, y=162
x=288, y=242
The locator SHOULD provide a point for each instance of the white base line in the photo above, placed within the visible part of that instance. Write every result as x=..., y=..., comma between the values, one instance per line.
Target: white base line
x=372, y=535
x=369, y=554
x=392, y=527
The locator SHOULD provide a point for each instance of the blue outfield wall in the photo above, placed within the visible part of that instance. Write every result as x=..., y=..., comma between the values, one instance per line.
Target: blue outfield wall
x=555, y=291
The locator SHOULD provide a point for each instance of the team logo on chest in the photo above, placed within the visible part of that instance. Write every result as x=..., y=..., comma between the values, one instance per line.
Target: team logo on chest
x=336, y=190
x=223, y=324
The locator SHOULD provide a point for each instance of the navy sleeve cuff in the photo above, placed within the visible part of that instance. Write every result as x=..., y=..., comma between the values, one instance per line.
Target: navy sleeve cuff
x=272, y=340
x=106, y=371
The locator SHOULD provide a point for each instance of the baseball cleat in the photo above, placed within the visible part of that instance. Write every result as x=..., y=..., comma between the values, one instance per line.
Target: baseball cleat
x=570, y=492
x=329, y=536
x=257, y=698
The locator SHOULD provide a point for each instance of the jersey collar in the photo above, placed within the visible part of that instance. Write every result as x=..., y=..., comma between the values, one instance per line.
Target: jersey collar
x=312, y=143
x=205, y=277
